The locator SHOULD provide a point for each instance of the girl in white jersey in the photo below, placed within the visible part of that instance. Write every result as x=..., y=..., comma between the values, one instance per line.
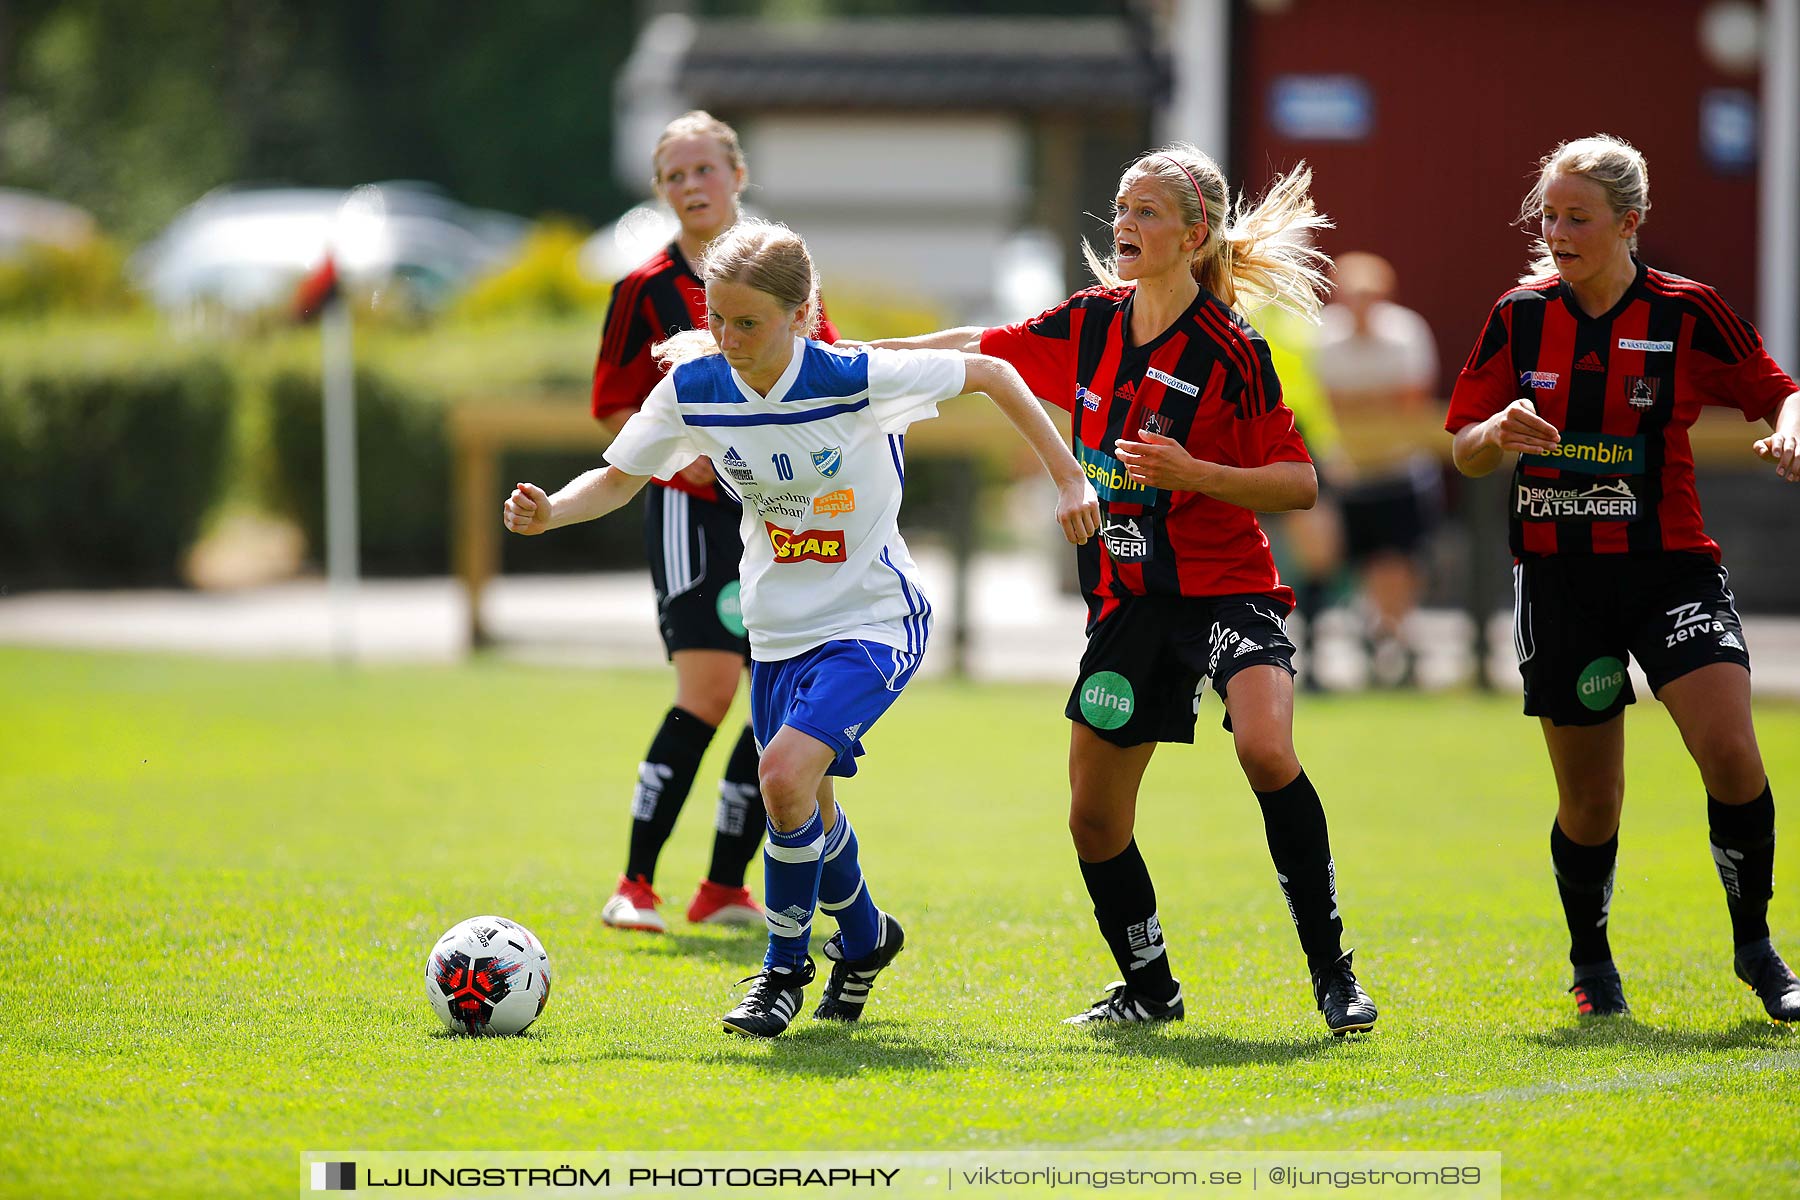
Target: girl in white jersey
x=812, y=439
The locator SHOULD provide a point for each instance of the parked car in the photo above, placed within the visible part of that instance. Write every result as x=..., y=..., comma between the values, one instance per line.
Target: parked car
x=242, y=250
x=28, y=219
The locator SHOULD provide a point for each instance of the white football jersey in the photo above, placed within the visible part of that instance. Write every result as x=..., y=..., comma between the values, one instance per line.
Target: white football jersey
x=820, y=465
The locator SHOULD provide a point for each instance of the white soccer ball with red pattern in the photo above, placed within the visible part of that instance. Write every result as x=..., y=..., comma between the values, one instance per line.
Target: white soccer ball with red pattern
x=488, y=975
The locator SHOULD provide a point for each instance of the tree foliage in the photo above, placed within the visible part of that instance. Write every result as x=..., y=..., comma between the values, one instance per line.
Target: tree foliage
x=133, y=108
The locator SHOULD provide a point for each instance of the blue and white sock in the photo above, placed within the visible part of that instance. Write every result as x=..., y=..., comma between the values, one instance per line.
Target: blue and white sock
x=844, y=894
x=791, y=863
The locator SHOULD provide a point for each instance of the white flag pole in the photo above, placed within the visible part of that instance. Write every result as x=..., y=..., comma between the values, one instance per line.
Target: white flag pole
x=359, y=234
x=1778, y=297
x=341, y=548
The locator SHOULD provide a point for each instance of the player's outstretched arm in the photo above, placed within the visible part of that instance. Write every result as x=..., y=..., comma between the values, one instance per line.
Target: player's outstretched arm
x=966, y=338
x=1783, y=446
x=1077, y=507
x=588, y=496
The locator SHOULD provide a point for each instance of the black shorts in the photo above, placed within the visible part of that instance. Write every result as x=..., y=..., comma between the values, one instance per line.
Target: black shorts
x=1392, y=514
x=694, y=548
x=1148, y=662
x=1576, y=617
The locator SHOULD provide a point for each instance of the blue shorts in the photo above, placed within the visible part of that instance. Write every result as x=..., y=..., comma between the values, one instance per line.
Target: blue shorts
x=833, y=692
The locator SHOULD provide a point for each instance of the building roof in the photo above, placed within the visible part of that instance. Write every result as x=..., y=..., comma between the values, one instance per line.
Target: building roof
x=918, y=63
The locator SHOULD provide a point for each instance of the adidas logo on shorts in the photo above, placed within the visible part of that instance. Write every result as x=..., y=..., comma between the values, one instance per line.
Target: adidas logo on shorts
x=1244, y=646
x=1730, y=641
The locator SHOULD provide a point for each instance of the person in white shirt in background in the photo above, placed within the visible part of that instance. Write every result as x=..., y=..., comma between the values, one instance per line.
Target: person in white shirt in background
x=1375, y=358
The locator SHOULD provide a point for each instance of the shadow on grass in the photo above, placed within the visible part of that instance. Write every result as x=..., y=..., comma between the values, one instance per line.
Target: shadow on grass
x=830, y=1050
x=1748, y=1034
x=722, y=943
x=810, y=1049
x=1204, y=1049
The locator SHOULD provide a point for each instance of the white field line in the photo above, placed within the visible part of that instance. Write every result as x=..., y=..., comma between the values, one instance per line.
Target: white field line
x=1779, y=1061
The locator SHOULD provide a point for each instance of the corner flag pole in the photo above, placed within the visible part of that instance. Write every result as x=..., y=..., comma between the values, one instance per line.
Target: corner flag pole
x=1778, y=178
x=341, y=548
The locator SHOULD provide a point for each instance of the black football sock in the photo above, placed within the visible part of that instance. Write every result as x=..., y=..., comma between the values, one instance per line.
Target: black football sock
x=664, y=779
x=1300, y=845
x=1125, y=907
x=737, y=834
x=1743, y=848
x=1584, y=880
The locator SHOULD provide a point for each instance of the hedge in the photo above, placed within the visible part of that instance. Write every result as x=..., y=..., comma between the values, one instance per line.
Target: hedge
x=108, y=472
x=119, y=437
x=403, y=472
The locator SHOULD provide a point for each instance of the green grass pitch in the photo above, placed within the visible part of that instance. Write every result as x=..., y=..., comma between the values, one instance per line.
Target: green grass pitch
x=224, y=878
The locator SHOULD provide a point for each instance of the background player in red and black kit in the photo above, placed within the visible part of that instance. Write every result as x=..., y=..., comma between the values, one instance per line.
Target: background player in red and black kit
x=691, y=537
x=1593, y=368
x=1179, y=422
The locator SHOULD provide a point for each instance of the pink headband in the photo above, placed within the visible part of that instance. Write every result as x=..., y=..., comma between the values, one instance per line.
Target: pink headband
x=1204, y=219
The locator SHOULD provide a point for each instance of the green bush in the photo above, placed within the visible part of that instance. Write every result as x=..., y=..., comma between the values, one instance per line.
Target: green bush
x=87, y=278
x=108, y=468
x=117, y=440
x=403, y=483
x=543, y=280
x=402, y=465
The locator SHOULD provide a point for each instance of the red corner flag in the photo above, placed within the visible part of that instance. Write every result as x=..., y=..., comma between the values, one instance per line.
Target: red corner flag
x=319, y=288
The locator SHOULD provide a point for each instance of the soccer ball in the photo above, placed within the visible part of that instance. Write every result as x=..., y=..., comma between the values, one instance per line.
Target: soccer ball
x=488, y=975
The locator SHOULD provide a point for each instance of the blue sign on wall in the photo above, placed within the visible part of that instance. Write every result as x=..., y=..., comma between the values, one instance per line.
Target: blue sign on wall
x=1728, y=129
x=1321, y=108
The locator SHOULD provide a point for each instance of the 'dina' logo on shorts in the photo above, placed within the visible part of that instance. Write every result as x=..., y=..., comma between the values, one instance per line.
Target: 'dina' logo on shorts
x=1107, y=701
x=731, y=608
x=1600, y=682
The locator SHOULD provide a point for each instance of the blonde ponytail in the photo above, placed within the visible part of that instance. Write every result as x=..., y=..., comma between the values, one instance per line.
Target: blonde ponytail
x=1267, y=254
x=682, y=347
x=1250, y=257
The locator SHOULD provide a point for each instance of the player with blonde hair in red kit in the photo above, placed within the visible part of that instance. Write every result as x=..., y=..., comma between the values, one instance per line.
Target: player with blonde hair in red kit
x=1592, y=369
x=1179, y=422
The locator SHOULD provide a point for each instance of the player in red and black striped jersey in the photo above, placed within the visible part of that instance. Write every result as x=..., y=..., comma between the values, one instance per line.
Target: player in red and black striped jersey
x=1593, y=369
x=691, y=539
x=1178, y=421
x=661, y=296
x=1204, y=382
x=1621, y=389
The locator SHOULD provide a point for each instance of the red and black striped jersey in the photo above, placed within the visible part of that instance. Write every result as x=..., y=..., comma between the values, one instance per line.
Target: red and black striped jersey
x=1207, y=382
x=661, y=297
x=1623, y=388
